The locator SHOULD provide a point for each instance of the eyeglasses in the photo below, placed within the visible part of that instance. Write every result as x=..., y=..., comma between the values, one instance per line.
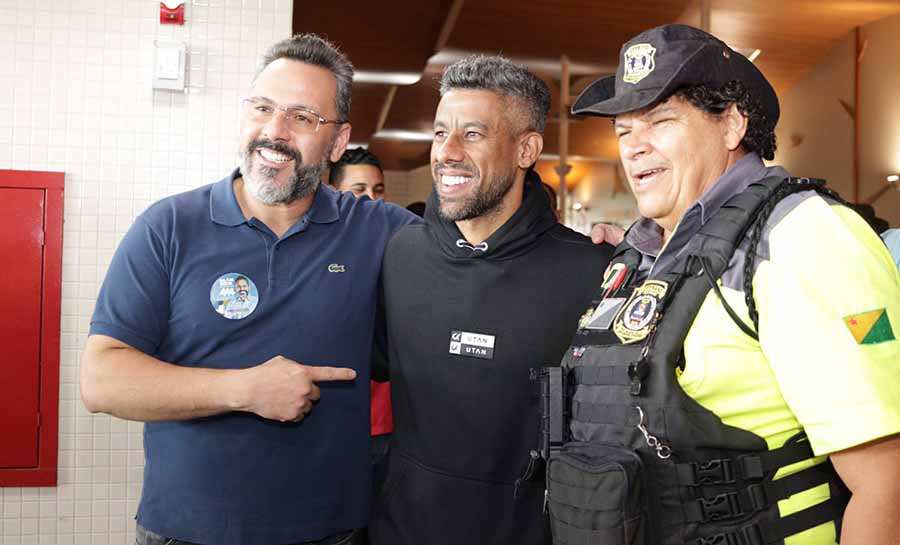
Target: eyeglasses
x=299, y=120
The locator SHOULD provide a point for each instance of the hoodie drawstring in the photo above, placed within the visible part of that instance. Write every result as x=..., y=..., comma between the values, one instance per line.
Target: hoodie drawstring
x=463, y=243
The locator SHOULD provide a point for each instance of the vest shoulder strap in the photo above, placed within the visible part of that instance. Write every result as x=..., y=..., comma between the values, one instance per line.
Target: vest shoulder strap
x=743, y=215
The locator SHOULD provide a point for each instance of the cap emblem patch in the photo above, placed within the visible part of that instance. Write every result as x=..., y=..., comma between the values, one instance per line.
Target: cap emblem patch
x=638, y=62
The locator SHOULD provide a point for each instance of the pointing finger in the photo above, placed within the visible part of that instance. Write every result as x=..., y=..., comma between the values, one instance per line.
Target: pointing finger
x=325, y=374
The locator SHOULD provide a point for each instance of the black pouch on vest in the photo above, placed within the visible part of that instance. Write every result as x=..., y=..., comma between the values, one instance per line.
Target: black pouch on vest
x=596, y=495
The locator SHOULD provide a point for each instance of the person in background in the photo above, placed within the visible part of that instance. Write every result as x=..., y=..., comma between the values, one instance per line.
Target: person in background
x=359, y=172
x=257, y=428
x=891, y=238
x=488, y=288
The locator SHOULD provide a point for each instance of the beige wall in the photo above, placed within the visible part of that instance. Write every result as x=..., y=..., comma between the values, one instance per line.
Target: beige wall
x=812, y=115
x=602, y=203
x=396, y=187
x=815, y=133
x=880, y=114
x=419, y=183
x=404, y=187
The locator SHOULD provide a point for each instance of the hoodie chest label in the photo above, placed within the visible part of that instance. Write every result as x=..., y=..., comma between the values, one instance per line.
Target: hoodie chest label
x=472, y=345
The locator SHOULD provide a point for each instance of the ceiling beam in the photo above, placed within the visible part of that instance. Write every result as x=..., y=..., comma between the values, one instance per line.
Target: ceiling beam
x=443, y=36
x=705, y=10
x=385, y=108
x=449, y=24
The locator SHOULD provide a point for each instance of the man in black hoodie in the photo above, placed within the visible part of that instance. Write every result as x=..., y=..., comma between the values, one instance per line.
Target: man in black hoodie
x=489, y=287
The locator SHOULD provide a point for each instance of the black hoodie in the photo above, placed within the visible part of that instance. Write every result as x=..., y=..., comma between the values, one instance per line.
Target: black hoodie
x=464, y=325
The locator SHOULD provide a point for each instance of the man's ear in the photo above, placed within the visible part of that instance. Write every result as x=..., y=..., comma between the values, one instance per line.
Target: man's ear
x=530, y=146
x=735, y=126
x=340, y=142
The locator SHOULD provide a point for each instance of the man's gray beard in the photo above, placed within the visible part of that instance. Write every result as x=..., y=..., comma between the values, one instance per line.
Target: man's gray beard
x=484, y=203
x=303, y=182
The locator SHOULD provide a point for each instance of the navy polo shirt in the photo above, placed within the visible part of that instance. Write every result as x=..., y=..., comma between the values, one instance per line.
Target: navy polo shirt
x=236, y=478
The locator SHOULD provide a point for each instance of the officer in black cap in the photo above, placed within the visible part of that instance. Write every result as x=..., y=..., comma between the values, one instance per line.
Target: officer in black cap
x=744, y=331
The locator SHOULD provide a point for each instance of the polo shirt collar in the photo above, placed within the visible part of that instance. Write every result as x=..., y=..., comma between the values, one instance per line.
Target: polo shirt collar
x=325, y=207
x=223, y=206
x=225, y=210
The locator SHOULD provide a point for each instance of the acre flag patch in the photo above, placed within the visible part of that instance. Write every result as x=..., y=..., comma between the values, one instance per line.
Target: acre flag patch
x=871, y=327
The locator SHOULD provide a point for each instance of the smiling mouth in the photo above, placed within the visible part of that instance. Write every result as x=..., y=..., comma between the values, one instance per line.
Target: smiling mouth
x=273, y=156
x=644, y=177
x=455, y=180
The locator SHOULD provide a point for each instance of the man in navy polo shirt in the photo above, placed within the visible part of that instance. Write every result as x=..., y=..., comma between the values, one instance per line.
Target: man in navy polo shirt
x=257, y=421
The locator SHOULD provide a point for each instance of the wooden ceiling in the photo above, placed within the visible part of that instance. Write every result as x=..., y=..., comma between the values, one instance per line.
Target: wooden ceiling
x=421, y=37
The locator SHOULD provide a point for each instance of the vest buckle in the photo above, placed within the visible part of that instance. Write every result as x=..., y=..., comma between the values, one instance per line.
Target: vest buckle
x=713, y=472
x=748, y=535
x=718, y=539
x=720, y=507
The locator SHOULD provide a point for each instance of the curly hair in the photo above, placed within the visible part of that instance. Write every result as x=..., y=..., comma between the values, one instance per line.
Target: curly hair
x=760, y=137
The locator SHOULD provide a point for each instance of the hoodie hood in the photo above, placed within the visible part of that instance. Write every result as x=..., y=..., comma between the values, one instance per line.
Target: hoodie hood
x=533, y=218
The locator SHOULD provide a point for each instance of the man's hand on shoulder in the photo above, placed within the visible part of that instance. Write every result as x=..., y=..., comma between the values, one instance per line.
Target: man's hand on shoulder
x=604, y=232
x=284, y=390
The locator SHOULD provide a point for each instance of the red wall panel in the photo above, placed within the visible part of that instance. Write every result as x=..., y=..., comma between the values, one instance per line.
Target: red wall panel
x=21, y=248
x=31, y=222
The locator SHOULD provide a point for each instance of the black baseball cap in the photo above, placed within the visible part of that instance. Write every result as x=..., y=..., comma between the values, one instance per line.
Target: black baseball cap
x=656, y=63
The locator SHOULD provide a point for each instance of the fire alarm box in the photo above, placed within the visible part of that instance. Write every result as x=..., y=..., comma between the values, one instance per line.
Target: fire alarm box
x=31, y=218
x=171, y=12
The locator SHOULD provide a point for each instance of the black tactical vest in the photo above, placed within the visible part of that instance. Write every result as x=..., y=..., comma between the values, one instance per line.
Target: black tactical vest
x=641, y=462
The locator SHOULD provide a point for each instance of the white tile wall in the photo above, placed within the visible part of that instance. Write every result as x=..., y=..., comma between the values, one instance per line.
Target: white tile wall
x=76, y=96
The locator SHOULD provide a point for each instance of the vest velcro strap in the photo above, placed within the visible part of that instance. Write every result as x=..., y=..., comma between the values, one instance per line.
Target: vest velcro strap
x=566, y=534
x=755, y=497
x=830, y=510
x=743, y=467
x=795, y=450
x=602, y=414
x=607, y=375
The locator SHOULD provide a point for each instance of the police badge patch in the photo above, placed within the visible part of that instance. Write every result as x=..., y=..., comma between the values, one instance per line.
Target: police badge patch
x=638, y=316
x=638, y=62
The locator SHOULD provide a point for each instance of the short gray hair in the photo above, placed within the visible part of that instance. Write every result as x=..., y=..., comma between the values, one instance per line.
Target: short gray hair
x=500, y=75
x=317, y=51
